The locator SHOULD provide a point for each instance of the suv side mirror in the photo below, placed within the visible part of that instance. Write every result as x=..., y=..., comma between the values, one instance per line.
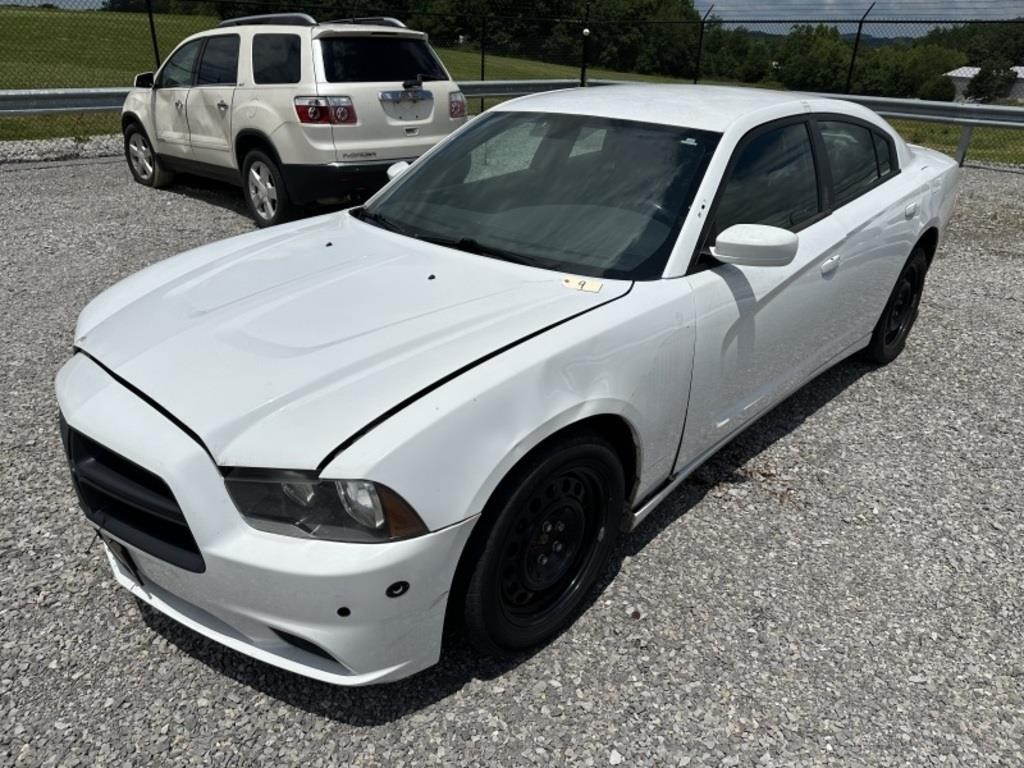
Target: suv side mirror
x=144, y=80
x=755, y=245
x=397, y=169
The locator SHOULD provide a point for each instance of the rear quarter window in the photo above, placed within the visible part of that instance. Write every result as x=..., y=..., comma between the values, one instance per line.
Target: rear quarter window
x=276, y=59
x=378, y=59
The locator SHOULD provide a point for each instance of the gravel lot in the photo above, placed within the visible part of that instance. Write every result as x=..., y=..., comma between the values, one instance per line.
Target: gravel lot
x=841, y=586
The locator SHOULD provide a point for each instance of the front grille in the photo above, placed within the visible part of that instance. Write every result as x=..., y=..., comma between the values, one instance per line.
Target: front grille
x=129, y=502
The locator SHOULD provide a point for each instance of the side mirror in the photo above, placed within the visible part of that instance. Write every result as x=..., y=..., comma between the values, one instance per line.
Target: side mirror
x=397, y=169
x=144, y=80
x=755, y=245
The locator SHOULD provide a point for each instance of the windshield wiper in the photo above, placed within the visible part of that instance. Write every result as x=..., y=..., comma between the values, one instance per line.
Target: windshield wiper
x=379, y=219
x=470, y=245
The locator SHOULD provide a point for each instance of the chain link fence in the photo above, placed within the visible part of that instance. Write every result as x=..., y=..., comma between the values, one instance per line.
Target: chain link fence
x=92, y=43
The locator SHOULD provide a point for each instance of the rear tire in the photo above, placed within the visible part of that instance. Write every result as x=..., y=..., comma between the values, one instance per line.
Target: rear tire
x=264, y=190
x=142, y=159
x=893, y=327
x=558, y=516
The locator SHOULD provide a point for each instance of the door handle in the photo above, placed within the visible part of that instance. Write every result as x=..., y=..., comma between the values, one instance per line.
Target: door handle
x=178, y=105
x=830, y=264
x=222, y=105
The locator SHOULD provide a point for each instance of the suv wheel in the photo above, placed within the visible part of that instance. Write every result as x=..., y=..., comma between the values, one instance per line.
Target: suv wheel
x=264, y=190
x=142, y=160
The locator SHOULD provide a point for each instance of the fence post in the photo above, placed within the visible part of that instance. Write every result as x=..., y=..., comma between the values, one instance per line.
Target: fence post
x=152, y=33
x=586, y=47
x=700, y=43
x=856, y=47
x=483, y=52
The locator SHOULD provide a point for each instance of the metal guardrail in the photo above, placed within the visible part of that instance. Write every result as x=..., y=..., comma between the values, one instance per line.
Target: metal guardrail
x=968, y=116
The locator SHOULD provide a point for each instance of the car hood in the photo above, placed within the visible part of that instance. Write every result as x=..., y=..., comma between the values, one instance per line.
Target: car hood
x=276, y=347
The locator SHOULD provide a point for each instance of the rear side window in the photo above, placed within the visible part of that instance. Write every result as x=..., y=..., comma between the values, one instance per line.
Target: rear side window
x=772, y=182
x=219, y=65
x=884, y=154
x=852, y=157
x=378, y=59
x=276, y=59
x=177, y=72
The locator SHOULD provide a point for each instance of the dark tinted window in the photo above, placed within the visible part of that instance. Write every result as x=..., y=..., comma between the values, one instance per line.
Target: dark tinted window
x=884, y=154
x=220, y=61
x=773, y=182
x=276, y=59
x=177, y=72
x=378, y=59
x=851, y=156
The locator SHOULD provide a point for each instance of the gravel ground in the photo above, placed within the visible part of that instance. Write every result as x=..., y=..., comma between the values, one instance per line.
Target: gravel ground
x=841, y=586
x=68, y=148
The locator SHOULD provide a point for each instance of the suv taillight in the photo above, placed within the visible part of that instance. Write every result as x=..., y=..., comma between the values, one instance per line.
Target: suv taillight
x=325, y=110
x=456, y=104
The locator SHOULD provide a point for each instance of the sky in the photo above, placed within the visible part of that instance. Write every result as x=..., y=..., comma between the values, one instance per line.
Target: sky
x=787, y=9
x=854, y=9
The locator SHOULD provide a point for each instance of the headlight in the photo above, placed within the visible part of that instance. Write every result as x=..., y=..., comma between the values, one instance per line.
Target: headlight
x=301, y=504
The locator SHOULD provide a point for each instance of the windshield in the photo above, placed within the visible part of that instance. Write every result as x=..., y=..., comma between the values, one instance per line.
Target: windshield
x=589, y=195
x=378, y=60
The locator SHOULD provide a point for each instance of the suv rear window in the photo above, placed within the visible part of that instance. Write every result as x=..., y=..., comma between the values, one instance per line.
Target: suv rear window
x=276, y=59
x=378, y=59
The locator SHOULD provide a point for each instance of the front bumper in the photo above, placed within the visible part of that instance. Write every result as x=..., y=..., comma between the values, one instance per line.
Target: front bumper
x=275, y=598
x=308, y=183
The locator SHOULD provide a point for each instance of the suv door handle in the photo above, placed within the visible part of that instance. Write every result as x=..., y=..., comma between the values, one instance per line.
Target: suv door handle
x=222, y=105
x=830, y=264
x=178, y=105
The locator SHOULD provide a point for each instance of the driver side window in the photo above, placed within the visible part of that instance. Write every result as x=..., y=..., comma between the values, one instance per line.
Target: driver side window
x=177, y=72
x=773, y=182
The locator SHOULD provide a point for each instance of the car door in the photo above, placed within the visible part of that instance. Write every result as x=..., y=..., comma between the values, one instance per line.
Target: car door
x=209, y=105
x=761, y=331
x=170, y=95
x=881, y=212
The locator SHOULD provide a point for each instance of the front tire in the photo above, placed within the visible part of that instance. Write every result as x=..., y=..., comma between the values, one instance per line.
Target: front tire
x=264, y=190
x=142, y=159
x=893, y=327
x=557, y=518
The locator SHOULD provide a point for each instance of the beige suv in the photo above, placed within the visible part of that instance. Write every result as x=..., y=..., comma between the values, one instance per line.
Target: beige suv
x=293, y=110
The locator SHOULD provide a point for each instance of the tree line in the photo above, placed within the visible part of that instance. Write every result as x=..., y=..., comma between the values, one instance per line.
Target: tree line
x=662, y=37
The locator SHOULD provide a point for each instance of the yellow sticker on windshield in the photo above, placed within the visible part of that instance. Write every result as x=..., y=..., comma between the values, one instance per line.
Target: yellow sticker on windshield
x=582, y=284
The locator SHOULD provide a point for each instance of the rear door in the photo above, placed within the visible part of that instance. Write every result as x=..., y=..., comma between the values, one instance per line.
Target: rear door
x=398, y=87
x=209, y=105
x=170, y=98
x=881, y=210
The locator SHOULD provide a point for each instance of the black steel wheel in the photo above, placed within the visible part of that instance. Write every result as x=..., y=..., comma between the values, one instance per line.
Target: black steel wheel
x=556, y=522
x=893, y=327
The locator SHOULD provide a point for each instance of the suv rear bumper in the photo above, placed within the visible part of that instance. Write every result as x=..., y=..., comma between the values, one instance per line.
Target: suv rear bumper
x=308, y=183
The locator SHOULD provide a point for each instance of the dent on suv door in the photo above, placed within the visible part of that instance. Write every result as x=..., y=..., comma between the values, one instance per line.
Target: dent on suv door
x=761, y=330
x=170, y=94
x=210, y=100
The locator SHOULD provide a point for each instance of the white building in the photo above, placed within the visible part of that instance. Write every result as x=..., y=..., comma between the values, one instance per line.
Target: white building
x=962, y=76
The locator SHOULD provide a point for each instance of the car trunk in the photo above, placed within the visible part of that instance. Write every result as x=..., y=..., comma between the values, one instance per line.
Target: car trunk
x=398, y=87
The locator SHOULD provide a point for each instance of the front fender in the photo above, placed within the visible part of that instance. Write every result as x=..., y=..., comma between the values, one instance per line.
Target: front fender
x=446, y=452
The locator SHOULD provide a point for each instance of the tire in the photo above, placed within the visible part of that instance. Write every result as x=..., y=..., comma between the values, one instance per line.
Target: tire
x=557, y=518
x=264, y=190
x=893, y=327
x=142, y=160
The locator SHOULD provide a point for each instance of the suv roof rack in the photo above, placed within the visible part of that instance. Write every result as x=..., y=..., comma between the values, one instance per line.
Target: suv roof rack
x=288, y=19
x=383, y=21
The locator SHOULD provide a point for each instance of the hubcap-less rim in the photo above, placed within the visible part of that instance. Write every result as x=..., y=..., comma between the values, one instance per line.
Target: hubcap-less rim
x=262, y=190
x=901, y=314
x=551, y=543
x=140, y=155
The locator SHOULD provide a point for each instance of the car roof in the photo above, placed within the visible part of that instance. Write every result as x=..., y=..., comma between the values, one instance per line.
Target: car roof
x=703, y=107
x=326, y=29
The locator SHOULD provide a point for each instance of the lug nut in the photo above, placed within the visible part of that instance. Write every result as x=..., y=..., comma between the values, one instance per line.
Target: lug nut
x=560, y=527
x=543, y=559
x=546, y=527
x=557, y=546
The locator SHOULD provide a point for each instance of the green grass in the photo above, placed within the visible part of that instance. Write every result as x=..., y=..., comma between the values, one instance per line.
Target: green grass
x=49, y=48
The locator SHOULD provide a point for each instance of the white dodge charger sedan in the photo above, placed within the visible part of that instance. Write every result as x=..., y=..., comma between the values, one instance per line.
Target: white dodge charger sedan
x=317, y=442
